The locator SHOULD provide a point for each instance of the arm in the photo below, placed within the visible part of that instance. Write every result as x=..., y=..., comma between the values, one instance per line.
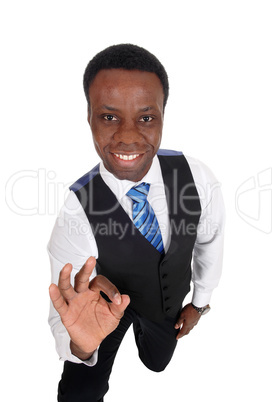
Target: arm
x=208, y=249
x=71, y=240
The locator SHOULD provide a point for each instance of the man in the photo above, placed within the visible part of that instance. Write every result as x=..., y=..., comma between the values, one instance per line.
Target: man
x=140, y=214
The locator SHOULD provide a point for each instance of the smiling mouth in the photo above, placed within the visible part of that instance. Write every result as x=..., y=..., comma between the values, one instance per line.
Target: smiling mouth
x=125, y=157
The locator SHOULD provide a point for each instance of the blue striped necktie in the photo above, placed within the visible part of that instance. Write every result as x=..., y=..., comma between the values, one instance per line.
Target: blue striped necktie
x=144, y=217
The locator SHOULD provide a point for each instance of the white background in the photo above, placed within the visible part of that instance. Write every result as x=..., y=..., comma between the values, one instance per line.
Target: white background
x=221, y=60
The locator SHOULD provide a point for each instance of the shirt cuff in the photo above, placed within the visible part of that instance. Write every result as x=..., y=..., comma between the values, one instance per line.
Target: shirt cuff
x=201, y=299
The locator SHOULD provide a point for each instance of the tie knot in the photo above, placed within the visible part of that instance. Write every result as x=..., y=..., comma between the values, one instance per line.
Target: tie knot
x=139, y=193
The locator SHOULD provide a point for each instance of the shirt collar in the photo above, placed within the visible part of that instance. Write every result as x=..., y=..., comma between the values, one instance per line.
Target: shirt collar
x=121, y=187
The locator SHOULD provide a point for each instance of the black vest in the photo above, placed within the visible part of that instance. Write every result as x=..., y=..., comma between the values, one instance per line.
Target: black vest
x=156, y=285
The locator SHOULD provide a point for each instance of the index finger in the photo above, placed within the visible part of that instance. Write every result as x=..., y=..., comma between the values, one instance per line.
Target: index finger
x=64, y=284
x=82, y=278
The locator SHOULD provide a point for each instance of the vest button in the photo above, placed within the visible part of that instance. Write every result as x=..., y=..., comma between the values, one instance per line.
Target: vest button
x=166, y=298
x=167, y=309
x=164, y=276
x=165, y=287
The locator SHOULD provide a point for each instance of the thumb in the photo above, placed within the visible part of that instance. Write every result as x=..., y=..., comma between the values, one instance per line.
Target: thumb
x=118, y=309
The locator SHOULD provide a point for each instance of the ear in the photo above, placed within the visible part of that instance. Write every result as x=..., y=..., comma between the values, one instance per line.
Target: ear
x=89, y=114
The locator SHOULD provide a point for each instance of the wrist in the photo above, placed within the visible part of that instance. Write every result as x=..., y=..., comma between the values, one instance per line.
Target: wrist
x=202, y=310
x=78, y=352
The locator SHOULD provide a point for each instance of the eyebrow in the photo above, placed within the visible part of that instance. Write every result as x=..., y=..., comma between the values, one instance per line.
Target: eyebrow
x=146, y=109
x=110, y=108
x=113, y=109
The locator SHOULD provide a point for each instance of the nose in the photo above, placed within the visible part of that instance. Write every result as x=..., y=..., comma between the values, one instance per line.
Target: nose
x=128, y=133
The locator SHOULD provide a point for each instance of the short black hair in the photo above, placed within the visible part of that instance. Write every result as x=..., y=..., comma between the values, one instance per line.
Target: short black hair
x=128, y=57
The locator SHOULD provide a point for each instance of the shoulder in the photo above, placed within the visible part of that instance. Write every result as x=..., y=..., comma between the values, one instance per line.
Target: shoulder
x=200, y=171
x=208, y=187
x=169, y=152
x=85, y=179
x=206, y=183
x=202, y=174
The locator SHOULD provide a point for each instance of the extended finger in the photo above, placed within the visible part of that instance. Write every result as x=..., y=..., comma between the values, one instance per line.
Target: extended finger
x=82, y=278
x=58, y=300
x=102, y=284
x=64, y=284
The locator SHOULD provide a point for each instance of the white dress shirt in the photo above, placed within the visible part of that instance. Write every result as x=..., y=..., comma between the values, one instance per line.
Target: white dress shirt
x=72, y=239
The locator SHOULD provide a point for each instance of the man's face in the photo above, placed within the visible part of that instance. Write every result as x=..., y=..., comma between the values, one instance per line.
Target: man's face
x=126, y=120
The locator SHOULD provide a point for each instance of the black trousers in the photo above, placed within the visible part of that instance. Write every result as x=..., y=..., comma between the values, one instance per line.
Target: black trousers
x=156, y=344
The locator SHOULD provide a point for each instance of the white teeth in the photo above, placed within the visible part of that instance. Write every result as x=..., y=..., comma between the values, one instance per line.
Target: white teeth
x=127, y=157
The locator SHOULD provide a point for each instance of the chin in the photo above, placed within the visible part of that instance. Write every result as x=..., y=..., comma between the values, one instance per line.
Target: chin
x=128, y=176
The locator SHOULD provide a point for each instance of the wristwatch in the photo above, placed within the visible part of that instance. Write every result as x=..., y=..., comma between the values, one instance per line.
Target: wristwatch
x=202, y=310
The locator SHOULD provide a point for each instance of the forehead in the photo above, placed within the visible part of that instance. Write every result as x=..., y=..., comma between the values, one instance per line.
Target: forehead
x=120, y=84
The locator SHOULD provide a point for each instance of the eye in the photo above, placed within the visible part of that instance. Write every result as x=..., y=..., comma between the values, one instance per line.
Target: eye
x=110, y=117
x=146, y=119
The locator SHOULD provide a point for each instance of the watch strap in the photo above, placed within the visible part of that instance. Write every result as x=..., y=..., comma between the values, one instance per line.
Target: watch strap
x=201, y=310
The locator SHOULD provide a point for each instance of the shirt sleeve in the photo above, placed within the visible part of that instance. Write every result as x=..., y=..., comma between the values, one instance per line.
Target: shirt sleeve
x=71, y=241
x=208, y=249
